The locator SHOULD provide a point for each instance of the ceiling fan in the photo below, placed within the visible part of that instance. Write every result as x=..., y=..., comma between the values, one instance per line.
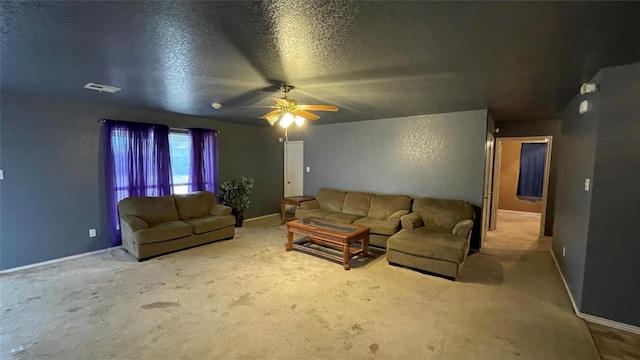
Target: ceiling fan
x=288, y=111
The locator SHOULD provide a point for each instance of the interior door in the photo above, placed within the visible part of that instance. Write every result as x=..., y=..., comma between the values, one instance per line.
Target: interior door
x=487, y=191
x=293, y=168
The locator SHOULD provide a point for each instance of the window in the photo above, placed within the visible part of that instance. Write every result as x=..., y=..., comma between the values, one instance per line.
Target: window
x=180, y=150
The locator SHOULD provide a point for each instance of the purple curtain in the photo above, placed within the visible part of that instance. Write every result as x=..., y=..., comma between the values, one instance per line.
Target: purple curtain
x=137, y=163
x=203, y=170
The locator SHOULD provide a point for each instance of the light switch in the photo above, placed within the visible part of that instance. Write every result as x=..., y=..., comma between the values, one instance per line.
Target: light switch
x=308, y=169
x=587, y=182
x=1, y=174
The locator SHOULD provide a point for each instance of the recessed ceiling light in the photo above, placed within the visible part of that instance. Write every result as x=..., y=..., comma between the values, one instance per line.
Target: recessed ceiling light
x=101, y=88
x=216, y=105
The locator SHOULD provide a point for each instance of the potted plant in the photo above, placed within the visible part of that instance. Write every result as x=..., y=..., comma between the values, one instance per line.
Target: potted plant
x=235, y=193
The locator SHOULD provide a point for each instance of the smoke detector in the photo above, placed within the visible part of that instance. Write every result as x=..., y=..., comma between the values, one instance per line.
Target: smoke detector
x=101, y=88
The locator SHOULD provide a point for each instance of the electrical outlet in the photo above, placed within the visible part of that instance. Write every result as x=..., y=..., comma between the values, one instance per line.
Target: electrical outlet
x=564, y=251
x=92, y=233
x=1, y=174
x=308, y=168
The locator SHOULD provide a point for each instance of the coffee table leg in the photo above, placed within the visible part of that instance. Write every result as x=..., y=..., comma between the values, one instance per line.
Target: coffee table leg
x=346, y=257
x=365, y=247
x=282, y=212
x=289, y=241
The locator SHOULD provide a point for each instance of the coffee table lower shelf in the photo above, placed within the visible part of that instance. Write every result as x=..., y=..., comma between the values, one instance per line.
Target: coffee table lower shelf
x=347, y=251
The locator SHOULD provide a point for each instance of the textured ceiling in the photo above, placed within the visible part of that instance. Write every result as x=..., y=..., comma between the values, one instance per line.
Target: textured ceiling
x=521, y=60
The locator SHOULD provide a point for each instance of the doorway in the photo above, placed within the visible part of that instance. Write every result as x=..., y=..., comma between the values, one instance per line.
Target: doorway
x=293, y=168
x=508, y=201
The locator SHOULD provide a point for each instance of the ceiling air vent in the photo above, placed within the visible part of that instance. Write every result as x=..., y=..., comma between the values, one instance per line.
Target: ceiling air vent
x=101, y=88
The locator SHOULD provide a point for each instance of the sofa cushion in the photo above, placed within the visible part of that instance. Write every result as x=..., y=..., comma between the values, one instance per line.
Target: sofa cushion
x=205, y=224
x=149, y=209
x=164, y=231
x=330, y=199
x=378, y=226
x=382, y=206
x=357, y=203
x=316, y=213
x=343, y=218
x=424, y=242
x=441, y=213
x=194, y=205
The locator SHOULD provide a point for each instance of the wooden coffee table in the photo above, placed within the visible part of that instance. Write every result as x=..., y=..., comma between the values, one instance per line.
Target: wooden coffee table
x=331, y=234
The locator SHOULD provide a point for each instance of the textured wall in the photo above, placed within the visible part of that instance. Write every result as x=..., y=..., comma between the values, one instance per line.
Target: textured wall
x=611, y=287
x=575, y=163
x=53, y=190
x=439, y=155
x=509, y=175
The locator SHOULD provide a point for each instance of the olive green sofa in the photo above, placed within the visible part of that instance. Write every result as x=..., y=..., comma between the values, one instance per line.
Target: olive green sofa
x=152, y=226
x=381, y=213
x=435, y=237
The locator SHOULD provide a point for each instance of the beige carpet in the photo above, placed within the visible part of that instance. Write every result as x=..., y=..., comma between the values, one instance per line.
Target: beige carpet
x=247, y=298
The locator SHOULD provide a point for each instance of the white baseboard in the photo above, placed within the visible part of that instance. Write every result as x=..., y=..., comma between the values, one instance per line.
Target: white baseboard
x=591, y=318
x=263, y=217
x=564, y=281
x=611, y=323
x=525, y=213
x=25, y=267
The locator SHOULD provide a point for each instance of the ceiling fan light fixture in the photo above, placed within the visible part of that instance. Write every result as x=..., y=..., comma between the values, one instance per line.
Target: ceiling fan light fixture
x=287, y=119
x=299, y=120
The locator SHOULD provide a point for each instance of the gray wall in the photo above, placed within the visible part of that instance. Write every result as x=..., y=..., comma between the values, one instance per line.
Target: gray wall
x=540, y=128
x=611, y=286
x=575, y=162
x=439, y=155
x=53, y=190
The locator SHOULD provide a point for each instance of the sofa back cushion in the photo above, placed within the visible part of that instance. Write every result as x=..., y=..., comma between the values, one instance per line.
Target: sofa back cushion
x=330, y=199
x=382, y=206
x=441, y=213
x=194, y=205
x=153, y=210
x=356, y=203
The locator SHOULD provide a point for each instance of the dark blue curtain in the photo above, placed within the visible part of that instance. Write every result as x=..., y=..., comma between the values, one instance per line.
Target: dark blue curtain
x=531, y=179
x=137, y=163
x=203, y=170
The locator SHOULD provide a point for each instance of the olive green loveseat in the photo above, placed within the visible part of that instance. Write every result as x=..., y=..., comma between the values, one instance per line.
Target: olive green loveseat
x=152, y=226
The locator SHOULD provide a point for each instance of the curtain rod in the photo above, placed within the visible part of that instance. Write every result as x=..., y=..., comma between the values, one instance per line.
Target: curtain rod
x=102, y=121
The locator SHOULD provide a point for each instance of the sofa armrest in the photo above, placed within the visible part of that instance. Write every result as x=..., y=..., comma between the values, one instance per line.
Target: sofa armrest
x=463, y=228
x=396, y=216
x=220, y=210
x=310, y=205
x=411, y=221
x=133, y=223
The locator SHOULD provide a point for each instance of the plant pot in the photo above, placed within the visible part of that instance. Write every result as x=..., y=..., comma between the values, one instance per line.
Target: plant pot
x=239, y=219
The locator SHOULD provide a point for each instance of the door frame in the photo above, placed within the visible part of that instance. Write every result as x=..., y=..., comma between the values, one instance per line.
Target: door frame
x=286, y=164
x=496, y=176
x=487, y=197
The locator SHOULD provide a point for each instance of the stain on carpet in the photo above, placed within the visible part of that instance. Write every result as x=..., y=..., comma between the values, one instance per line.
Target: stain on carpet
x=244, y=300
x=374, y=348
x=294, y=306
x=72, y=310
x=160, y=305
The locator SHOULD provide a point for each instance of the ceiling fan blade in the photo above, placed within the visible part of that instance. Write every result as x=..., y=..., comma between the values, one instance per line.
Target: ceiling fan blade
x=280, y=101
x=251, y=106
x=318, y=107
x=306, y=114
x=274, y=112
